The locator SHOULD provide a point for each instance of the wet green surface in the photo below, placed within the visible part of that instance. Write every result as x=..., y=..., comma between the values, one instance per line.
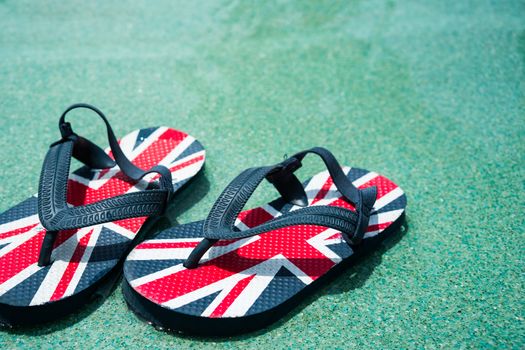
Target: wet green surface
x=430, y=94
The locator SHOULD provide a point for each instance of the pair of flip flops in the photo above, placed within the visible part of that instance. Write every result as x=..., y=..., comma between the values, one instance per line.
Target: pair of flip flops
x=236, y=271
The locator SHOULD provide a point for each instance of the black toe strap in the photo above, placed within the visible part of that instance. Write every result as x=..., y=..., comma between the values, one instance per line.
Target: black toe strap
x=220, y=223
x=340, y=219
x=53, y=210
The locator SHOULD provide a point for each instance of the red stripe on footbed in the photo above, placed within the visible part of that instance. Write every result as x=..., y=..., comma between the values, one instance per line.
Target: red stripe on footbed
x=290, y=242
x=340, y=202
x=323, y=191
x=182, y=165
x=254, y=217
x=188, y=162
x=71, y=267
x=383, y=185
x=335, y=235
x=63, y=236
x=378, y=226
x=230, y=298
x=16, y=232
x=79, y=194
x=186, y=281
x=132, y=224
x=171, y=245
x=25, y=255
x=173, y=135
x=161, y=148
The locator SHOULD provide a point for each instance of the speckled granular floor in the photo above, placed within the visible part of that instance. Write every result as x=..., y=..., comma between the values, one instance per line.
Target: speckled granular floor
x=430, y=94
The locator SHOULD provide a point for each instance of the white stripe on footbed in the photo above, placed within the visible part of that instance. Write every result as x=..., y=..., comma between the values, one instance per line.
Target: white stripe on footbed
x=314, y=186
x=262, y=271
x=20, y=223
x=182, y=253
x=168, y=159
x=61, y=257
x=383, y=218
x=189, y=170
x=83, y=262
x=321, y=242
x=232, y=282
x=365, y=178
x=119, y=230
x=388, y=198
x=173, y=240
x=126, y=143
x=264, y=274
x=20, y=239
x=204, y=292
x=18, y=278
x=161, y=254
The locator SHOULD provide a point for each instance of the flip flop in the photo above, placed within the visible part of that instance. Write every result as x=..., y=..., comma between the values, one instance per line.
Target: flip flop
x=59, y=247
x=239, y=271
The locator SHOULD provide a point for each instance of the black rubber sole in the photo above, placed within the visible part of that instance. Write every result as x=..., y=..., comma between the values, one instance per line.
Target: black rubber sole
x=172, y=321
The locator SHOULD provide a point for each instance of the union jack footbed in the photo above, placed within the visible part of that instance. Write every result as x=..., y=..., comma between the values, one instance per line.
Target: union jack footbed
x=241, y=279
x=84, y=256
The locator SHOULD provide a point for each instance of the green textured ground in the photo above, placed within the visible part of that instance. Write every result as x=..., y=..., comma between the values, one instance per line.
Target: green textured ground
x=431, y=94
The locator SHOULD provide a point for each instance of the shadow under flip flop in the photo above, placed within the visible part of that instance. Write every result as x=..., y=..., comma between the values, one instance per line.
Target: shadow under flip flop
x=344, y=280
